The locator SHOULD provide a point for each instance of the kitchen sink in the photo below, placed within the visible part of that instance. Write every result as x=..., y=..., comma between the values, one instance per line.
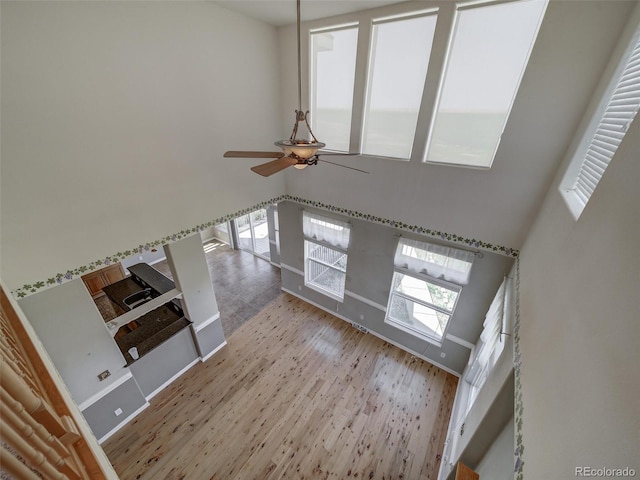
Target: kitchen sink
x=136, y=299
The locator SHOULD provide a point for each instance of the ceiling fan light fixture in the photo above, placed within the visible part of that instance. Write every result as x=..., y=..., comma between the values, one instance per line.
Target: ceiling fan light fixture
x=300, y=149
x=296, y=152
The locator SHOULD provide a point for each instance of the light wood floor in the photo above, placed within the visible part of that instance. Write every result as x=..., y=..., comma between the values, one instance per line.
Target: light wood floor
x=296, y=394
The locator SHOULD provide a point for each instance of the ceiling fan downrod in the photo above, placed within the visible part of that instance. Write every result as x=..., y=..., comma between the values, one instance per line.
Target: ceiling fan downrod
x=302, y=150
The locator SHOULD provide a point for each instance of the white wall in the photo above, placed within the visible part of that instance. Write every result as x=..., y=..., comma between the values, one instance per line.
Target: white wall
x=115, y=118
x=496, y=206
x=579, y=327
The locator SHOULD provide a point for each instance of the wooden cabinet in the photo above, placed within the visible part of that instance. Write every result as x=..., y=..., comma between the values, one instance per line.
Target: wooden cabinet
x=465, y=473
x=95, y=281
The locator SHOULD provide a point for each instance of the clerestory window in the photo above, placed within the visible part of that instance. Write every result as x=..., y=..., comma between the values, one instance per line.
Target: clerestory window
x=434, y=85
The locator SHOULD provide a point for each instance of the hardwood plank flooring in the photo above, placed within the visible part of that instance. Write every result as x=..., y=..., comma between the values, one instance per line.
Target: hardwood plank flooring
x=296, y=394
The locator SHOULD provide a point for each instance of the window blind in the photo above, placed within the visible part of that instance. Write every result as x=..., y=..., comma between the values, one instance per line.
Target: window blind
x=327, y=230
x=434, y=260
x=619, y=112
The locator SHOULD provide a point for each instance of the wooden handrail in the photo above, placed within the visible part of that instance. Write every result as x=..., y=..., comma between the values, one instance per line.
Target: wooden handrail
x=40, y=420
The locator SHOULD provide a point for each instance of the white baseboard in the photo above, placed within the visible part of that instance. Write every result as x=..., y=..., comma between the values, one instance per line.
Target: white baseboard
x=168, y=382
x=105, y=437
x=374, y=333
x=212, y=352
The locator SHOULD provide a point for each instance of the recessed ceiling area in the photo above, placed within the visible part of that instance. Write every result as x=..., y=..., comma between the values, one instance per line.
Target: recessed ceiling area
x=283, y=12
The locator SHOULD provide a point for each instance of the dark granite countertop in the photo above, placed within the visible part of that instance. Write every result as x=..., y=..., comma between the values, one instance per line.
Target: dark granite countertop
x=155, y=327
x=120, y=290
x=146, y=275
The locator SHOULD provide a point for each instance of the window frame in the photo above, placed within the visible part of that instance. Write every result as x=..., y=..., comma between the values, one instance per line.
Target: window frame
x=370, y=58
x=442, y=41
x=584, y=138
x=307, y=259
x=461, y=6
x=324, y=239
x=427, y=279
x=312, y=68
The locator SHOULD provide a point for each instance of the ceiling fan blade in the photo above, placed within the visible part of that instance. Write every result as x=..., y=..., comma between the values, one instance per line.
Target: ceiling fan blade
x=240, y=154
x=343, y=166
x=269, y=168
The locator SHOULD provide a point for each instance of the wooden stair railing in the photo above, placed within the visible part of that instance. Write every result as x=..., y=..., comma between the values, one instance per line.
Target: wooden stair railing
x=39, y=437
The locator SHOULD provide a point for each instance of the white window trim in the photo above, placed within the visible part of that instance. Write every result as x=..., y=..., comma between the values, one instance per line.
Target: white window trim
x=443, y=36
x=426, y=278
x=458, y=7
x=308, y=283
x=364, y=19
x=585, y=133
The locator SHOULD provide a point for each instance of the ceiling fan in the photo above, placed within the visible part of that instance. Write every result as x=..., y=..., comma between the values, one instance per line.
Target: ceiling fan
x=296, y=152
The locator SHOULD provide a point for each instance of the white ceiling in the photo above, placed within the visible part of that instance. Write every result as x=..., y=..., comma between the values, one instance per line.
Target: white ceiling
x=283, y=12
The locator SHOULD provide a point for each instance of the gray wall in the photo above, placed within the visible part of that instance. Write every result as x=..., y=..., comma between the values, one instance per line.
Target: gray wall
x=73, y=332
x=101, y=415
x=369, y=274
x=497, y=464
x=162, y=363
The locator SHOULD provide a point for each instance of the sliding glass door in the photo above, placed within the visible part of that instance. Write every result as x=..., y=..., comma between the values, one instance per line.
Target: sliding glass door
x=252, y=232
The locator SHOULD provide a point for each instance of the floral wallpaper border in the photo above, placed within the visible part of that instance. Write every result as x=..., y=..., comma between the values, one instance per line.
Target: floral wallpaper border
x=60, y=278
x=517, y=363
x=450, y=237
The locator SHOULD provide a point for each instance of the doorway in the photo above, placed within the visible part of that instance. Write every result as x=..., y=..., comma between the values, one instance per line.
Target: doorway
x=252, y=232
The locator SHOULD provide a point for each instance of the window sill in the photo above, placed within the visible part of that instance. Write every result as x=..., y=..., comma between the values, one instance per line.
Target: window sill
x=324, y=291
x=414, y=332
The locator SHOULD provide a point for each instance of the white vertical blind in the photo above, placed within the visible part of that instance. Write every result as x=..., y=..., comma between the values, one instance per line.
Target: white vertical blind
x=324, y=229
x=436, y=261
x=619, y=112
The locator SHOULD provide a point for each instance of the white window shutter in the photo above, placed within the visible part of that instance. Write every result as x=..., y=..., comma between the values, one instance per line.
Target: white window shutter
x=619, y=112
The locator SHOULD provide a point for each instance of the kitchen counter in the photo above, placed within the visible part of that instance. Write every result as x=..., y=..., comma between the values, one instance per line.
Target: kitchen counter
x=154, y=328
x=120, y=290
x=151, y=329
x=147, y=276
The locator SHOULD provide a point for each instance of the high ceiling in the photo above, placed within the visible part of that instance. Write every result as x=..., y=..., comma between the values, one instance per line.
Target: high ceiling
x=283, y=12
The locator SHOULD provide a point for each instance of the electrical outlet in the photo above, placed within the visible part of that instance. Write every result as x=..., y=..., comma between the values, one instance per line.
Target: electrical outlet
x=442, y=354
x=361, y=317
x=103, y=375
x=117, y=412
